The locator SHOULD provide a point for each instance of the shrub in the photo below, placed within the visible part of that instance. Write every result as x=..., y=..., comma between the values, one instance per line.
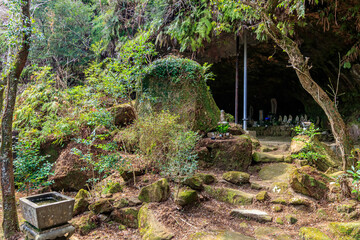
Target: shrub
x=31, y=170
x=167, y=144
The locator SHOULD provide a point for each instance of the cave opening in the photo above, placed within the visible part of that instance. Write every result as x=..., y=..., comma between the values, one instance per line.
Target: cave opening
x=269, y=77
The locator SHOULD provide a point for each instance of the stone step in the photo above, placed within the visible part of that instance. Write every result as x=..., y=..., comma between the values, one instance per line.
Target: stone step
x=253, y=214
x=263, y=157
x=229, y=195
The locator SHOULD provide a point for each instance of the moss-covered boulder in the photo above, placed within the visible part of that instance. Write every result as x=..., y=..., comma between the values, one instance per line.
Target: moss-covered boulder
x=85, y=224
x=279, y=200
x=104, y=205
x=150, y=228
x=157, y=192
x=328, y=158
x=124, y=114
x=111, y=188
x=264, y=157
x=279, y=187
x=236, y=177
x=346, y=230
x=219, y=235
x=179, y=86
x=311, y=233
x=262, y=196
x=276, y=171
x=126, y=216
x=277, y=208
x=194, y=182
x=308, y=181
x=229, y=195
x=186, y=196
x=81, y=202
x=227, y=154
x=206, y=178
x=252, y=214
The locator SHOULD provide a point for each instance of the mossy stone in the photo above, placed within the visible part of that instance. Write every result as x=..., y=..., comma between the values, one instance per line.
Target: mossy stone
x=291, y=219
x=277, y=208
x=256, y=186
x=262, y=157
x=308, y=181
x=279, y=220
x=84, y=225
x=102, y=206
x=126, y=216
x=81, y=202
x=236, y=177
x=229, y=195
x=186, y=196
x=150, y=228
x=206, y=178
x=179, y=86
x=311, y=233
x=345, y=229
x=299, y=201
x=121, y=203
x=194, y=182
x=276, y=171
x=262, y=196
x=157, y=192
x=279, y=200
x=112, y=187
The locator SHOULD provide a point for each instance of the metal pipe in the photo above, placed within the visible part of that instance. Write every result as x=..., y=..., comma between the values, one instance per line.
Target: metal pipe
x=245, y=83
x=237, y=81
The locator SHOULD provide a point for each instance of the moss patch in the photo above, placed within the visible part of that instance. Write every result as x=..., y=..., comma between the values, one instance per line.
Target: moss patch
x=228, y=195
x=310, y=233
x=156, y=192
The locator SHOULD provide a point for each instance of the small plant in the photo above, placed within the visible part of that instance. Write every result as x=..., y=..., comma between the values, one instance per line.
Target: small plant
x=223, y=128
x=355, y=172
x=307, y=152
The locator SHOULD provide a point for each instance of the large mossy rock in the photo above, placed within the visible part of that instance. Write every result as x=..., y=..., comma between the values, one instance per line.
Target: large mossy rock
x=308, y=181
x=229, y=195
x=220, y=235
x=311, y=233
x=104, y=205
x=127, y=216
x=264, y=157
x=157, y=192
x=150, y=228
x=276, y=172
x=124, y=114
x=236, y=177
x=179, y=86
x=186, y=196
x=329, y=159
x=346, y=230
x=227, y=154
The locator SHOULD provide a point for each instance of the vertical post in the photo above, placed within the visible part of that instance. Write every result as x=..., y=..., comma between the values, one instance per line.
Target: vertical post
x=245, y=83
x=237, y=81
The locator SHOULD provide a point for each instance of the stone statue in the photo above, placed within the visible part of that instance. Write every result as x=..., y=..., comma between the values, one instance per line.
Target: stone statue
x=297, y=119
x=280, y=119
x=305, y=118
x=317, y=121
x=302, y=119
x=222, y=118
x=285, y=119
x=290, y=119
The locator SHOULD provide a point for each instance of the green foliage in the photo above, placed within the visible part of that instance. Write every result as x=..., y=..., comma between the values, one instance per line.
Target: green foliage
x=31, y=170
x=222, y=128
x=100, y=165
x=118, y=78
x=307, y=153
x=46, y=113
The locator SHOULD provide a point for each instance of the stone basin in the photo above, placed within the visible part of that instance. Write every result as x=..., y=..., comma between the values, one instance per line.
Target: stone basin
x=47, y=210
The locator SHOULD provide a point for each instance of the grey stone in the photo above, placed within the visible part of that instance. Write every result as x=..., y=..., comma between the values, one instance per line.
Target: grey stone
x=254, y=214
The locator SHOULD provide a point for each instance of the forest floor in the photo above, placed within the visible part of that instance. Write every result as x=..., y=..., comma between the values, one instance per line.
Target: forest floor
x=209, y=214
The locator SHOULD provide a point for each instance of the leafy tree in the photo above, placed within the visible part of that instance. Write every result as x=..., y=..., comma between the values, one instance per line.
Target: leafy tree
x=19, y=32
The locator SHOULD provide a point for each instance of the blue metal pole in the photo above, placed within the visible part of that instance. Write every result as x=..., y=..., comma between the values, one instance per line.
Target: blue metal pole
x=245, y=83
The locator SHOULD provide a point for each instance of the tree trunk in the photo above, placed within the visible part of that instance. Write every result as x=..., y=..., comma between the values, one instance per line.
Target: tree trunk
x=302, y=68
x=10, y=220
